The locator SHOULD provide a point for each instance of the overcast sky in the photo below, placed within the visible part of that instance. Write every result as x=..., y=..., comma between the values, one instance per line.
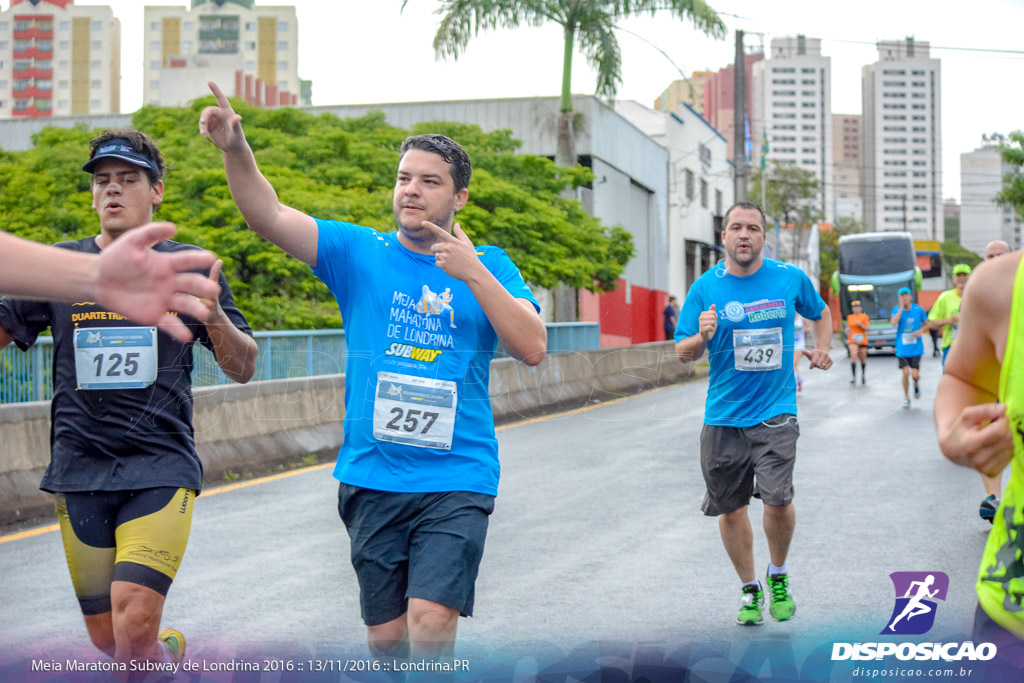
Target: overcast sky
x=359, y=51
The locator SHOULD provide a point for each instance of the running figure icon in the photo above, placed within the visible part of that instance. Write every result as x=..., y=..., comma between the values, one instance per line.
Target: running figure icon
x=915, y=607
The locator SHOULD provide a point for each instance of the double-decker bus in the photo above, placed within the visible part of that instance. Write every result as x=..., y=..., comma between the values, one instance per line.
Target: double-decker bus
x=873, y=266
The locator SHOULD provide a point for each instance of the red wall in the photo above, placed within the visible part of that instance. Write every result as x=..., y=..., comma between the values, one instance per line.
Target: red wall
x=628, y=323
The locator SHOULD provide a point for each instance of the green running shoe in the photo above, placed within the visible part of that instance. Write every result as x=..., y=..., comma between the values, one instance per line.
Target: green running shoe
x=750, y=606
x=174, y=642
x=781, y=604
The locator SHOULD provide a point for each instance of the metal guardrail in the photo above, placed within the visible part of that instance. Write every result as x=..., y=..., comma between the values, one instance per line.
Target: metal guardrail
x=282, y=355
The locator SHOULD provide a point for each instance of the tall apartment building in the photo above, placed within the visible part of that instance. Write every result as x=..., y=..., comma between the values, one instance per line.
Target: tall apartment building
x=684, y=93
x=792, y=93
x=849, y=201
x=219, y=40
x=981, y=218
x=59, y=59
x=901, y=140
x=719, y=101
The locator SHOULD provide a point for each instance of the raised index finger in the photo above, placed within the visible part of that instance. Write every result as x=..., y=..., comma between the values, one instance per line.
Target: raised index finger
x=440, y=232
x=222, y=100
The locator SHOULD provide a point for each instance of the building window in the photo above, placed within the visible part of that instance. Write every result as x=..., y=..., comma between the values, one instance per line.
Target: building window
x=186, y=46
x=63, y=104
x=4, y=45
x=95, y=84
x=282, y=26
x=97, y=26
x=188, y=26
x=154, y=45
x=97, y=64
x=95, y=104
x=64, y=26
x=250, y=26
x=250, y=65
x=154, y=26
x=718, y=202
x=282, y=66
x=64, y=45
x=96, y=45
x=704, y=193
x=282, y=45
x=154, y=85
x=689, y=184
x=154, y=64
x=250, y=45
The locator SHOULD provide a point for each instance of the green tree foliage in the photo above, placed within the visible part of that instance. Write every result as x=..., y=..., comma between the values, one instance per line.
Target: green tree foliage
x=1012, y=193
x=341, y=169
x=792, y=194
x=953, y=253
x=586, y=24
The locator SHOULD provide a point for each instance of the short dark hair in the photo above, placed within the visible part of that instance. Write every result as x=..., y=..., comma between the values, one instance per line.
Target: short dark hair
x=446, y=148
x=745, y=205
x=140, y=142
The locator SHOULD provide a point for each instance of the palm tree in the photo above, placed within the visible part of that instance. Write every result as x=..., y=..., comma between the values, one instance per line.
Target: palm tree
x=591, y=22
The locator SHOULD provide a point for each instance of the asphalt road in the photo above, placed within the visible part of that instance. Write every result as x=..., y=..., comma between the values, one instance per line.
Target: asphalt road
x=597, y=544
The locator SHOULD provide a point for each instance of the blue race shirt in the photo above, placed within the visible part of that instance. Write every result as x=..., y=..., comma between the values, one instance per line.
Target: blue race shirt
x=417, y=409
x=751, y=354
x=910, y=321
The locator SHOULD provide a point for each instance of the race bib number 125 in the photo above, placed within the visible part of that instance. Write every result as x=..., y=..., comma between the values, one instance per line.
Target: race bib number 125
x=115, y=357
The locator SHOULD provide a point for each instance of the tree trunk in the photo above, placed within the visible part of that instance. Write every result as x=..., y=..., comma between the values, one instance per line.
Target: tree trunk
x=565, y=155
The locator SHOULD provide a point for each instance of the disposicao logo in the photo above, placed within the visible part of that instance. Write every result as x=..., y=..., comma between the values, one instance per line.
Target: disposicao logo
x=916, y=595
x=914, y=614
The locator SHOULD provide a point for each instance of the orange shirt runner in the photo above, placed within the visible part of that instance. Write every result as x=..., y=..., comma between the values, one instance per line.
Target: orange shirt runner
x=858, y=324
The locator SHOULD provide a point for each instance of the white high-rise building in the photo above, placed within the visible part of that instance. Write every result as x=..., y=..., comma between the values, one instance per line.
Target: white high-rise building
x=250, y=51
x=792, y=93
x=901, y=140
x=981, y=218
x=700, y=187
x=59, y=59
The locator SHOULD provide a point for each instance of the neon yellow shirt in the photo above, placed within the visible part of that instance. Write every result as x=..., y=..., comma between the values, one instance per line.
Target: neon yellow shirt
x=1001, y=575
x=946, y=305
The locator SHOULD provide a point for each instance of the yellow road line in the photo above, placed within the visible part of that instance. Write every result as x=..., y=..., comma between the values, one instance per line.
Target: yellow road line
x=283, y=475
x=209, y=492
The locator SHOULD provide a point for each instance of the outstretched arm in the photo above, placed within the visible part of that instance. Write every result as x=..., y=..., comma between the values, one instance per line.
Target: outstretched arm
x=288, y=228
x=127, y=277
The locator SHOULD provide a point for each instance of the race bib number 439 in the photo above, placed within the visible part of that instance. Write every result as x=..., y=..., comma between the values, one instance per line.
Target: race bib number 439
x=757, y=350
x=415, y=411
x=115, y=357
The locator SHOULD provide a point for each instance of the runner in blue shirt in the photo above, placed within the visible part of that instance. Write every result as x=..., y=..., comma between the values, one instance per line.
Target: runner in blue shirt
x=909, y=321
x=742, y=313
x=423, y=310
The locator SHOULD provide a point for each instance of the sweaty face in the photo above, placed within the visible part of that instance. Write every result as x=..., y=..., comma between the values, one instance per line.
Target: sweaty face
x=425, y=191
x=743, y=237
x=123, y=196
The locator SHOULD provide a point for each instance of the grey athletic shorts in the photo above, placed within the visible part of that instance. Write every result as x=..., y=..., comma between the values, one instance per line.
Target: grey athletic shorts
x=740, y=462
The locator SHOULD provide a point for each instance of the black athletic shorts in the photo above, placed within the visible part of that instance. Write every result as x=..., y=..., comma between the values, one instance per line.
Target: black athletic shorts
x=414, y=545
x=913, y=362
